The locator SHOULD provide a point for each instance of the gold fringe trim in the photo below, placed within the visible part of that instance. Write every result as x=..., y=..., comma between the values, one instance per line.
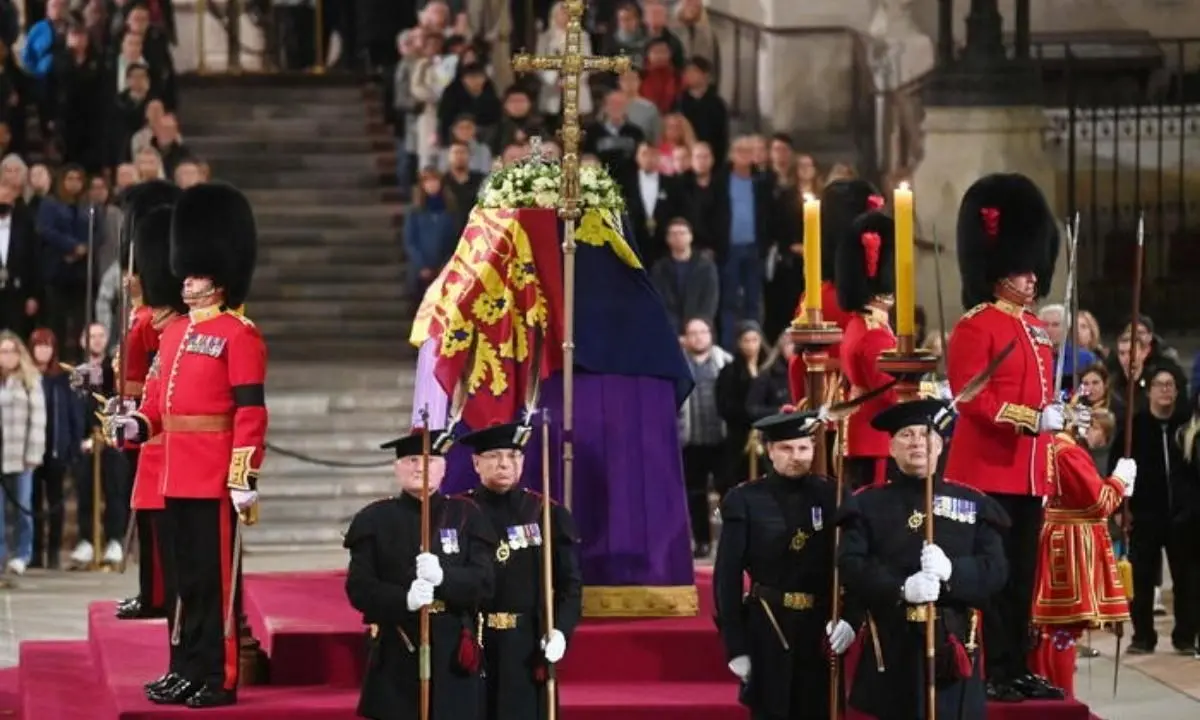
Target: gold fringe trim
x=640, y=601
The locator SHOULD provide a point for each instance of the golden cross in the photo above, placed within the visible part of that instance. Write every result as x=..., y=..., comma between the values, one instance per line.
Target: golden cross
x=571, y=66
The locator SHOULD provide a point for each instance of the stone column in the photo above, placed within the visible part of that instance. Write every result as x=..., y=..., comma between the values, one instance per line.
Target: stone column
x=981, y=117
x=804, y=61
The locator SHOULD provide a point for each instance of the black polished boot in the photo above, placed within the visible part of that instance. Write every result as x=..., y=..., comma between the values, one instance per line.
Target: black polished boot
x=1036, y=687
x=212, y=697
x=134, y=609
x=161, y=682
x=1003, y=692
x=177, y=692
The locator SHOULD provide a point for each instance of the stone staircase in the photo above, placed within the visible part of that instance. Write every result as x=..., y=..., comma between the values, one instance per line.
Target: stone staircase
x=313, y=156
x=336, y=414
x=317, y=164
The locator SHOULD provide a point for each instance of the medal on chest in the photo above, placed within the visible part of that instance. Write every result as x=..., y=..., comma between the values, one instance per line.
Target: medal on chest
x=916, y=520
x=798, y=541
x=818, y=519
x=449, y=538
x=503, y=553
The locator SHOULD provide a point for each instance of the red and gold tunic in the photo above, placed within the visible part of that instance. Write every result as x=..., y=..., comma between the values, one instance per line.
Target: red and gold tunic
x=997, y=446
x=830, y=312
x=209, y=404
x=141, y=372
x=1077, y=578
x=867, y=335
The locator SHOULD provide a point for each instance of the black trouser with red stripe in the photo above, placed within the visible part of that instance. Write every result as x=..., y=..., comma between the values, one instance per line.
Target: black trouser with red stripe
x=152, y=587
x=201, y=542
x=156, y=573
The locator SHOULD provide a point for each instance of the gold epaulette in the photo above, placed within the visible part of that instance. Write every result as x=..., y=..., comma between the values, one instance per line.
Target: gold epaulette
x=976, y=310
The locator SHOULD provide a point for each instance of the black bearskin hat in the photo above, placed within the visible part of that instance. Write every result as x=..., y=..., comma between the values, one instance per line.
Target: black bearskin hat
x=866, y=261
x=213, y=235
x=152, y=257
x=137, y=202
x=1005, y=228
x=841, y=202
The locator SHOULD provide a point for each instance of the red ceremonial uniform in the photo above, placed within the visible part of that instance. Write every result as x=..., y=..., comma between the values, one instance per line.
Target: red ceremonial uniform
x=1078, y=585
x=867, y=335
x=141, y=347
x=997, y=447
x=214, y=438
x=831, y=311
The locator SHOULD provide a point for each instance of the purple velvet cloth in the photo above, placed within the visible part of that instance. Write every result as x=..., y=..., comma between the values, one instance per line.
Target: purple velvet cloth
x=629, y=500
x=427, y=393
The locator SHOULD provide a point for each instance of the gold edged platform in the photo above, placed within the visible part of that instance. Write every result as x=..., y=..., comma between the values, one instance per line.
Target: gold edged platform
x=627, y=601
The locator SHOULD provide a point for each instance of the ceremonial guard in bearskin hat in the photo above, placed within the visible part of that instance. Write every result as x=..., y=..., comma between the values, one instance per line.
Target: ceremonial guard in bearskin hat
x=887, y=566
x=147, y=224
x=1078, y=586
x=841, y=202
x=516, y=647
x=779, y=530
x=866, y=283
x=389, y=580
x=211, y=411
x=1007, y=248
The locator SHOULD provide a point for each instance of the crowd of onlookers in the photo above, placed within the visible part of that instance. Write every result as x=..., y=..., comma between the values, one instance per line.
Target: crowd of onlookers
x=87, y=109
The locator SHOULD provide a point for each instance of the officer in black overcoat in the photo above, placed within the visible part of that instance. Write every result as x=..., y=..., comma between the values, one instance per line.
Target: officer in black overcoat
x=887, y=567
x=779, y=530
x=390, y=580
x=517, y=647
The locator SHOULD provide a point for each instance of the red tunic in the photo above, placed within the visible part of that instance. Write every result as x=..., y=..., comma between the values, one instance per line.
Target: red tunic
x=997, y=447
x=141, y=344
x=210, y=405
x=830, y=312
x=1077, y=578
x=867, y=335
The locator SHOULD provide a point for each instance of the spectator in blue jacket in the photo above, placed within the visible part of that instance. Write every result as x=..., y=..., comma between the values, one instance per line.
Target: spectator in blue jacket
x=45, y=39
x=62, y=223
x=429, y=237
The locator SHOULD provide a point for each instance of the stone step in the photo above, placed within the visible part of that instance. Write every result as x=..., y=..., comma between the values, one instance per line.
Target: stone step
x=384, y=398
x=283, y=127
x=331, y=274
x=293, y=162
x=348, y=94
x=288, y=429
x=268, y=109
x=389, y=349
x=290, y=537
x=379, y=327
x=266, y=179
x=325, y=213
x=298, y=233
x=296, y=379
x=384, y=292
x=333, y=256
x=222, y=146
x=357, y=198
x=329, y=445
x=319, y=309
x=343, y=465
x=335, y=512
x=368, y=486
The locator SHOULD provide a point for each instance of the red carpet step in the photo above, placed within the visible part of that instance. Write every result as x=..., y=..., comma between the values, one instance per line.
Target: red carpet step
x=654, y=669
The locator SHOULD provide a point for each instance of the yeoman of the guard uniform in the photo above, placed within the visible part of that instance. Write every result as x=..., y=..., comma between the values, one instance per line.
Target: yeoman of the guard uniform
x=390, y=580
x=515, y=643
x=780, y=531
x=887, y=566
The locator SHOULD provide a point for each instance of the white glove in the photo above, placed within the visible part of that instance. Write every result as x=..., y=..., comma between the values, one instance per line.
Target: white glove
x=1126, y=472
x=1080, y=416
x=1053, y=418
x=420, y=594
x=840, y=636
x=921, y=588
x=935, y=562
x=554, y=646
x=429, y=569
x=121, y=425
x=243, y=499
x=740, y=666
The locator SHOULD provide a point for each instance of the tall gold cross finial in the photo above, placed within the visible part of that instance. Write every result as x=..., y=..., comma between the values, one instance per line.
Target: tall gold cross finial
x=571, y=66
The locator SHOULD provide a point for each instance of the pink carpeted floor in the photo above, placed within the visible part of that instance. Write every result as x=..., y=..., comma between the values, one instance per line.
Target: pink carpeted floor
x=660, y=669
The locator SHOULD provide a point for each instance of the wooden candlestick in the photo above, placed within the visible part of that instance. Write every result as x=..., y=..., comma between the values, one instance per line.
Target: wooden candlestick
x=908, y=364
x=813, y=337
